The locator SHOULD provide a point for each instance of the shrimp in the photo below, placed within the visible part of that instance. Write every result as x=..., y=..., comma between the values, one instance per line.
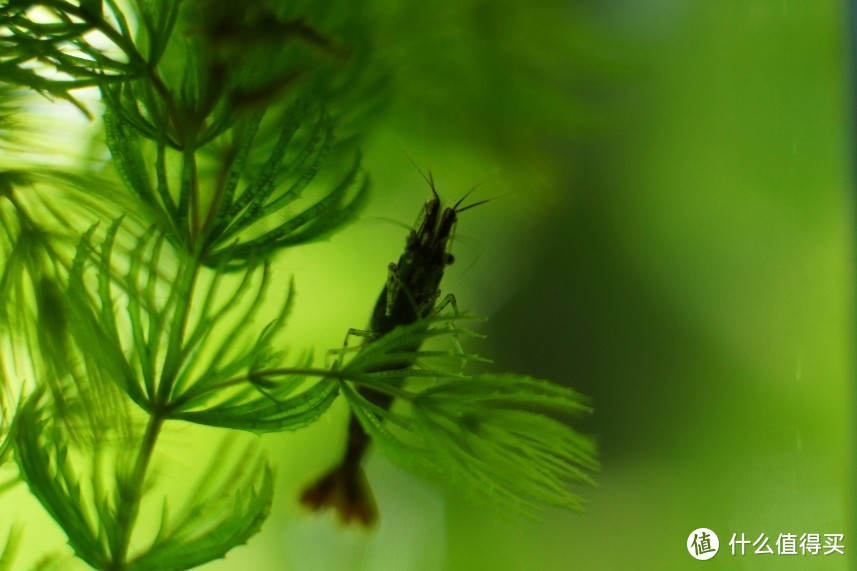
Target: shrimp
x=410, y=294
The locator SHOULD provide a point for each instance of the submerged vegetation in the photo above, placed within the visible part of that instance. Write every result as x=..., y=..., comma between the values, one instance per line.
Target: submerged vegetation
x=134, y=277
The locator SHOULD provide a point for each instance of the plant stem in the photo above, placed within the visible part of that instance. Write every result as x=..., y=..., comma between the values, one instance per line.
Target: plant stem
x=130, y=494
x=190, y=396
x=175, y=344
x=193, y=181
x=219, y=190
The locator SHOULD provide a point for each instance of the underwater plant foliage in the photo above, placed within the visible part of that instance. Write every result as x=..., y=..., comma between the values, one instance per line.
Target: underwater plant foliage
x=142, y=290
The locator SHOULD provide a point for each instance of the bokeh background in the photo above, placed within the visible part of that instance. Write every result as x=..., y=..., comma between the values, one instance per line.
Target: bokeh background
x=671, y=232
x=672, y=235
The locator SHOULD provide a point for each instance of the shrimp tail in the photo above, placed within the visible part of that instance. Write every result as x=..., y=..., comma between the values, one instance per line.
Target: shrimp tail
x=345, y=487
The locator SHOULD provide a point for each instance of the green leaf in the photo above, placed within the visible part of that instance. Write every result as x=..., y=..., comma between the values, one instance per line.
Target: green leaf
x=209, y=370
x=379, y=357
x=95, y=329
x=245, y=135
x=249, y=206
x=42, y=456
x=39, y=311
x=10, y=549
x=263, y=414
x=50, y=562
x=54, y=56
x=502, y=434
x=256, y=219
x=503, y=438
x=128, y=158
x=159, y=18
x=210, y=525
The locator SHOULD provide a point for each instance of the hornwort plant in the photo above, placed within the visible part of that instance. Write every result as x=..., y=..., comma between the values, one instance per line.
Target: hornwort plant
x=131, y=279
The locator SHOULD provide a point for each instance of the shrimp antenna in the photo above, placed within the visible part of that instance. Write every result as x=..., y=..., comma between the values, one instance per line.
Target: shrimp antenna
x=429, y=179
x=457, y=207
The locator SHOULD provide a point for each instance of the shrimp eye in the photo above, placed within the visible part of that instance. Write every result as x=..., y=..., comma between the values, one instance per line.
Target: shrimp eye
x=449, y=259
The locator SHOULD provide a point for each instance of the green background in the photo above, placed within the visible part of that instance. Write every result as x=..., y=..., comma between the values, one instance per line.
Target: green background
x=671, y=235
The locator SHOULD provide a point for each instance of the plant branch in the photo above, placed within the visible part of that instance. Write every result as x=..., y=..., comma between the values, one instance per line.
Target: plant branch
x=175, y=345
x=192, y=396
x=131, y=493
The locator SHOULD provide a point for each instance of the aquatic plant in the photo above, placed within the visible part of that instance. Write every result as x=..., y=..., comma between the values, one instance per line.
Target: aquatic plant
x=134, y=278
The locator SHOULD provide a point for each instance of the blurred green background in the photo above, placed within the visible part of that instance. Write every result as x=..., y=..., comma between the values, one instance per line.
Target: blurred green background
x=671, y=234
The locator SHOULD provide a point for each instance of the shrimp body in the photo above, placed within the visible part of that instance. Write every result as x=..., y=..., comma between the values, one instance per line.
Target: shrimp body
x=410, y=294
